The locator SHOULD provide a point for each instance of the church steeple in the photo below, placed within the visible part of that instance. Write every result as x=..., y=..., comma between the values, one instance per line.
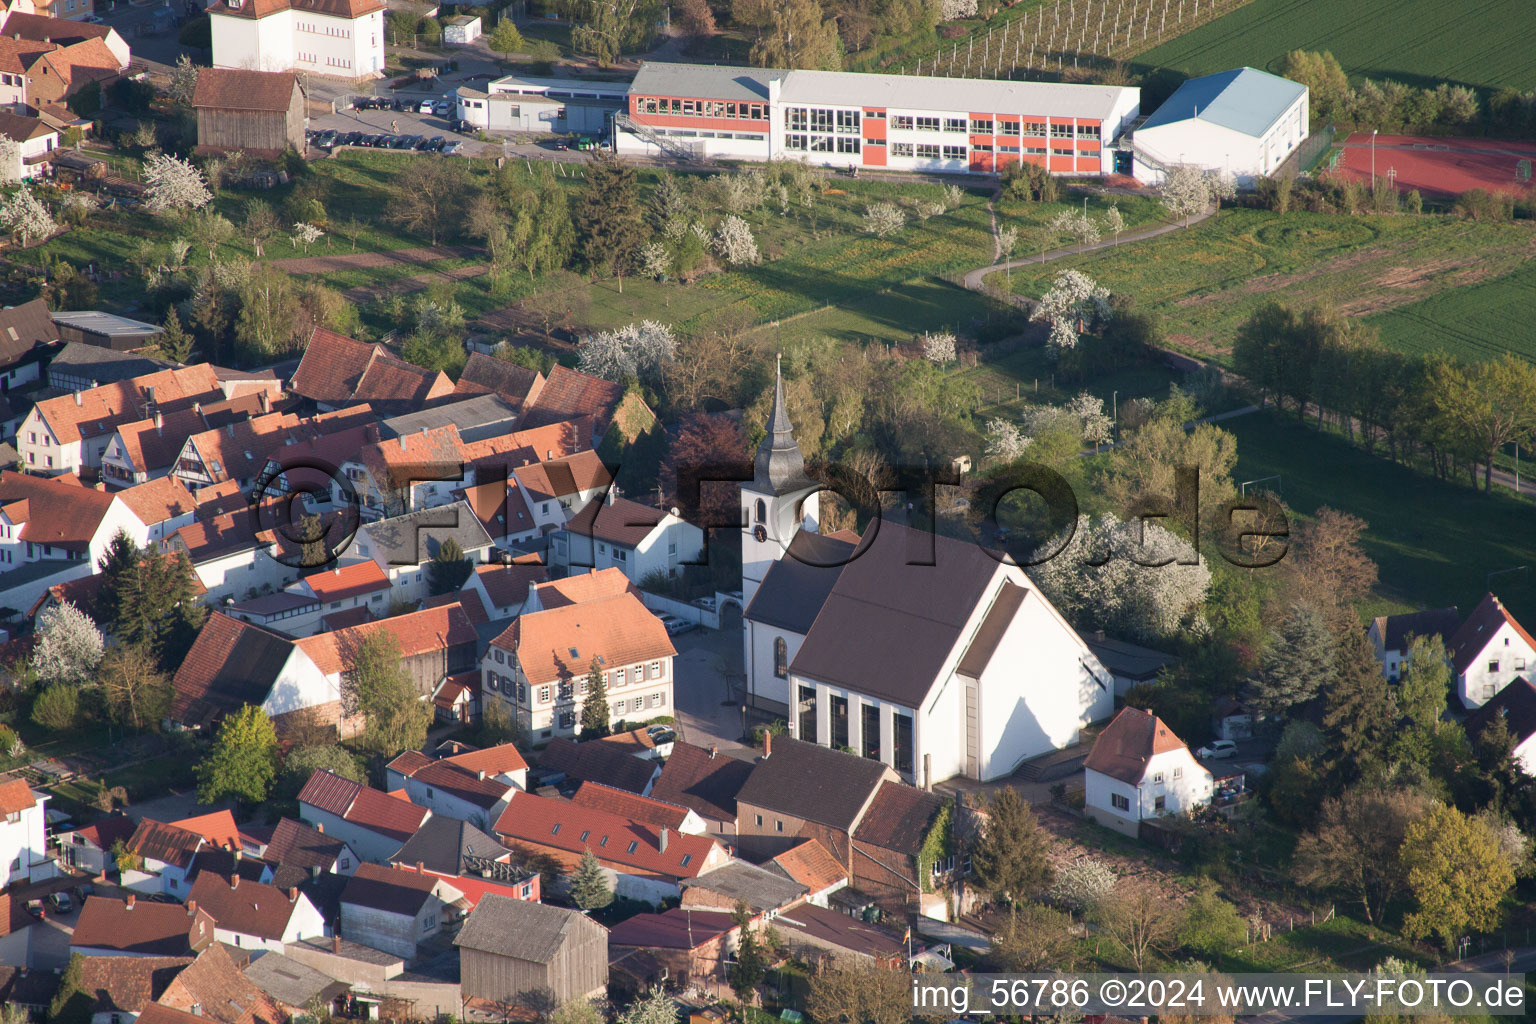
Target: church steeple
x=780, y=465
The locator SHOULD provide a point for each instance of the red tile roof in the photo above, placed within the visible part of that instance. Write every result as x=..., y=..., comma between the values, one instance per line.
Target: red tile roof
x=102, y=834
x=812, y=865
x=525, y=447
x=58, y=511
x=569, y=393
x=496, y=760
x=560, y=643
x=1128, y=743
x=419, y=632
x=126, y=984
x=347, y=581
x=469, y=600
x=329, y=792
x=339, y=370
x=146, y=928
x=386, y=814
x=703, y=780
x=564, y=478
x=170, y=844
x=16, y=796
x=592, y=585
x=231, y=663
x=253, y=9
x=215, y=989
x=79, y=63
x=303, y=846
x=561, y=825
x=157, y=500
x=100, y=411
x=218, y=828
x=1469, y=642
x=17, y=55
x=672, y=929
x=898, y=818
x=658, y=813
x=516, y=385
x=452, y=779
x=232, y=89
x=241, y=905
x=507, y=585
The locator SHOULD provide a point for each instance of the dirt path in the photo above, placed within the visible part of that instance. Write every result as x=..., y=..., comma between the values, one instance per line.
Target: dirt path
x=367, y=260
x=414, y=283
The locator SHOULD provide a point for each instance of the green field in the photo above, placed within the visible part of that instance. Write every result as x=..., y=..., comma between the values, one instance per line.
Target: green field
x=1208, y=279
x=1476, y=322
x=1473, y=42
x=1434, y=542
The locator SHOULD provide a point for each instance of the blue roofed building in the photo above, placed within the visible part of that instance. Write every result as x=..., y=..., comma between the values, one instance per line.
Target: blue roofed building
x=1242, y=123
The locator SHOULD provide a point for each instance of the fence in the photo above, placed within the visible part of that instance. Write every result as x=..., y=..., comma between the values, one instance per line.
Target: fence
x=1311, y=151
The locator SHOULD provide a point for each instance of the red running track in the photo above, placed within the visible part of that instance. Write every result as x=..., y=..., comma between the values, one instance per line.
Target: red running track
x=1438, y=166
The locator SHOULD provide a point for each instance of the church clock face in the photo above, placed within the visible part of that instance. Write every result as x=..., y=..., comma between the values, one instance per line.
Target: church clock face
x=760, y=533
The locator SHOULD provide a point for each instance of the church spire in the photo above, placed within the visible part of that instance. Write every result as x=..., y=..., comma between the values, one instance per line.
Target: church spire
x=780, y=466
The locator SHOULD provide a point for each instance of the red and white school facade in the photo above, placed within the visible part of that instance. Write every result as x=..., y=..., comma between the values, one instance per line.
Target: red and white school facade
x=848, y=120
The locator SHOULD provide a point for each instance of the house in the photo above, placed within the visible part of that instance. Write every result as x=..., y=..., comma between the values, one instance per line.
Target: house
x=558, y=488
x=538, y=667
x=963, y=667
x=649, y=810
x=212, y=988
x=337, y=371
x=242, y=451
x=1516, y=705
x=254, y=916
x=238, y=554
x=134, y=927
x=336, y=38
x=1130, y=664
x=260, y=113
x=359, y=585
x=739, y=883
x=164, y=854
x=502, y=762
x=1139, y=769
x=516, y=952
x=1390, y=635
x=1242, y=124
x=636, y=539
x=61, y=70
x=503, y=588
x=568, y=394
x=163, y=505
x=148, y=448
x=1488, y=652
x=393, y=909
x=447, y=788
x=27, y=337
x=468, y=859
x=404, y=546
x=69, y=433
x=692, y=947
x=434, y=642
x=813, y=866
x=642, y=862
x=455, y=699
x=107, y=330
x=889, y=841
x=1232, y=720
x=475, y=417
x=811, y=932
x=34, y=139
x=294, y=986
x=596, y=761
x=374, y=824
x=53, y=530
x=297, y=845
x=706, y=782
x=23, y=834
x=641, y=742
x=79, y=366
x=460, y=30
x=89, y=849
x=410, y=472
x=516, y=385
x=65, y=30
x=118, y=988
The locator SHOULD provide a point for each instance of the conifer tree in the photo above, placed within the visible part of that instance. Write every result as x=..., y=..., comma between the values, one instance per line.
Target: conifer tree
x=1298, y=661
x=1361, y=711
x=589, y=886
x=596, y=713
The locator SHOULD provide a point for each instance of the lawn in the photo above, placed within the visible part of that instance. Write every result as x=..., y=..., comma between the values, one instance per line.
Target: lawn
x=1423, y=42
x=1208, y=279
x=1480, y=321
x=1435, y=542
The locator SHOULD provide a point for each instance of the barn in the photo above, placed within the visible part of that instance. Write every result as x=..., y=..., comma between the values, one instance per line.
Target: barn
x=1242, y=124
x=261, y=113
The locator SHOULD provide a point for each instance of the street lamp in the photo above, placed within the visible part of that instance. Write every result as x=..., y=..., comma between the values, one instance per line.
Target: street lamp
x=1373, y=157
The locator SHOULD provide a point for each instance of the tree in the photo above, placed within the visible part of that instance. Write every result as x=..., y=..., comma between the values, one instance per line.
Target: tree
x=1456, y=875
x=1005, y=440
x=376, y=686
x=1332, y=570
x=954, y=10
x=1354, y=848
x=1033, y=938
x=1097, y=426
x=1141, y=920
x=884, y=219
x=1075, y=303
x=505, y=39
x=175, y=341
x=1188, y=190
x=174, y=185
x=1486, y=404
x=183, y=80
x=655, y=1007
x=1361, y=712
x=1010, y=859
x=751, y=964
x=596, y=713
x=137, y=694
x=1323, y=77
x=210, y=229
x=1083, y=884
x=796, y=34
x=57, y=708
x=1211, y=925
x=577, y=1011
x=269, y=314
x=1078, y=225
x=148, y=600
x=24, y=215
x=449, y=569
x=1425, y=682
x=1297, y=663
x=734, y=242
x=1114, y=221
x=430, y=195
x=68, y=647
x=242, y=762
x=640, y=350
x=305, y=234
x=589, y=885
x=73, y=1002
x=696, y=19
x=858, y=991
x=608, y=218
x=300, y=764
x=939, y=347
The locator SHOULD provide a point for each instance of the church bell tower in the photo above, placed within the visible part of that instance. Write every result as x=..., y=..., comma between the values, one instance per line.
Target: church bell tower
x=780, y=500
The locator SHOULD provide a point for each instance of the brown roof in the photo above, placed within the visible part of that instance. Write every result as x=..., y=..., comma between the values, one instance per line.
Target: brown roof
x=386, y=814
x=452, y=779
x=231, y=663
x=898, y=818
x=617, y=521
x=16, y=796
x=599, y=762
x=79, y=63
x=675, y=928
x=303, y=846
x=17, y=55
x=157, y=500
x=169, y=844
x=560, y=643
x=630, y=805
x=706, y=783
x=395, y=463
x=352, y=9
x=146, y=928
x=214, y=988
x=516, y=385
x=419, y=632
x=806, y=780
x=23, y=129
x=155, y=1013
x=563, y=477
x=989, y=635
x=339, y=370
x=393, y=890
x=507, y=585
x=103, y=833
x=329, y=792
x=563, y=825
x=59, y=511
x=841, y=930
x=218, y=827
x=39, y=28
x=126, y=984
x=1516, y=704
x=101, y=410
x=503, y=758
x=231, y=89
x=1396, y=629
x=1472, y=638
x=24, y=327
x=237, y=905
x=569, y=393
x=812, y=865
x=1128, y=743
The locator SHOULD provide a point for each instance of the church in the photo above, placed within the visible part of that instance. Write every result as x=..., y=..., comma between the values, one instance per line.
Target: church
x=927, y=653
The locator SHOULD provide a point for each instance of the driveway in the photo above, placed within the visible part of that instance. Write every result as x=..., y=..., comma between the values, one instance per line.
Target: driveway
x=706, y=688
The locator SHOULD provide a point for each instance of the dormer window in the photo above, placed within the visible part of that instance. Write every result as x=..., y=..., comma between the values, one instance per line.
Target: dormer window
x=555, y=831
x=633, y=846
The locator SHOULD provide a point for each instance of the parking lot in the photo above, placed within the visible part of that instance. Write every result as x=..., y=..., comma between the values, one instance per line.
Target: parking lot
x=415, y=121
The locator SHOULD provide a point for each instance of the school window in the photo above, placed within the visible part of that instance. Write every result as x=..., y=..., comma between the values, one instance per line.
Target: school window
x=981, y=126
x=1060, y=151
x=848, y=122
x=874, y=115
x=794, y=142
x=901, y=121
x=847, y=145
x=821, y=120
x=1005, y=148
x=981, y=148
x=954, y=124
x=796, y=119
x=927, y=151
x=1034, y=128
x=1087, y=131
x=927, y=124
x=1008, y=128
x=780, y=658
x=1061, y=131
x=1119, y=802
x=954, y=152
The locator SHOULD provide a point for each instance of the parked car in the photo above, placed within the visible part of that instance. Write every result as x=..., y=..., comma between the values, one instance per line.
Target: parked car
x=421, y=143
x=60, y=902
x=424, y=107
x=436, y=144
x=35, y=908
x=586, y=145
x=559, y=144
x=401, y=142
x=442, y=108
x=661, y=734
x=453, y=147
x=326, y=139
x=81, y=891
x=1217, y=750
x=707, y=603
x=348, y=138
x=464, y=128
x=676, y=625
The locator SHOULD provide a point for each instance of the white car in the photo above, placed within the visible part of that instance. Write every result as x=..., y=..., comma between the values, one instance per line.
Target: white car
x=1217, y=750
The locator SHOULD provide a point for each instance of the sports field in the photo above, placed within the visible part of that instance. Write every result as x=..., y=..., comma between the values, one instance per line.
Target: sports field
x=1473, y=42
x=1440, y=166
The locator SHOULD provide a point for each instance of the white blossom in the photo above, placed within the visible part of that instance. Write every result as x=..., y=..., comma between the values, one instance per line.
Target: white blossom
x=951, y=195
x=741, y=191
x=24, y=215
x=1005, y=440
x=952, y=10
x=1084, y=884
x=939, y=347
x=734, y=242
x=1077, y=224
x=69, y=646
x=179, y=249
x=1007, y=238
x=1096, y=426
x=304, y=234
x=1114, y=221
x=635, y=350
x=884, y=219
x=926, y=209
x=1188, y=190
x=1074, y=304
x=174, y=184
x=654, y=260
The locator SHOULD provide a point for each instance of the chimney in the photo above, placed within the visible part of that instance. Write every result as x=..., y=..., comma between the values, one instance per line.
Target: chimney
x=613, y=492
x=767, y=744
x=421, y=868
x=78, y=399
x=293, y=894
x=320, y=825
x=314, y=872
x=665, y=835
x=714, y=752
x=239, y=853
x=191, y=908
x=234, y=881
x=266, y=402
x=197, y=407
x=230, y=429
x=159, y=421
x=335, y=943
x=402, y=442
x=480, y=775
x=128, y=900
x=149, y=395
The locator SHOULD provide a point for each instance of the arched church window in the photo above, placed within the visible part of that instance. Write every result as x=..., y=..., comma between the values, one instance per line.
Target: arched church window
x=780, y=658
x=762, y=510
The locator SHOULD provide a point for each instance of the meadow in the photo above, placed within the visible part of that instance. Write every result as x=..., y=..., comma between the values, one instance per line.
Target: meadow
x=1480, y=321
x=1422, y=42
x=1208, y=279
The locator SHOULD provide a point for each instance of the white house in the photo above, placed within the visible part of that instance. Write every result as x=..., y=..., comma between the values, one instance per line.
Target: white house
x=923, y=652
x=374, y=824
x=394, y=909
x=336, y=38
x=1139, y=769
x=23, y=834
x=403, y=546
x=1390, y=635
x=90, y=848
x=1516, y=704
x=448, y=789
x=460, y=30
x=252, y=915
x=165, y=854
x=503, y=589
x=636, y=539
x=502, y=762
x=1241, y=124
x=302, y=608
x=232, y=556
x=1488, y=652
